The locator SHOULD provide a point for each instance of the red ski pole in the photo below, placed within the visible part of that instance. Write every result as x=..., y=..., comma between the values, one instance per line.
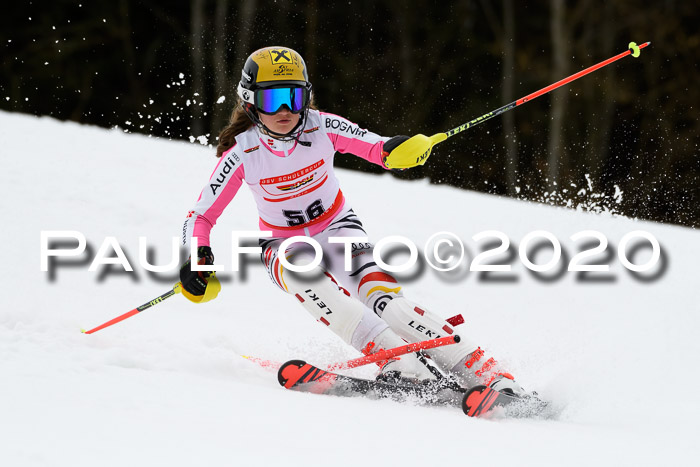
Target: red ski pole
x=632, y=50
x=421, y=144
x=385, y=354
x=129, y=314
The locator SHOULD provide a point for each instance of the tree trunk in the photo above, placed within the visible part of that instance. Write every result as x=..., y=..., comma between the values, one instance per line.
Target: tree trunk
x=197, y=59
x=309, y=53
x=125, y=31
x=508, y=96
x=560, y=52
x=408, y=65
x=602, y=125
x=245, y=31
x=221, y=81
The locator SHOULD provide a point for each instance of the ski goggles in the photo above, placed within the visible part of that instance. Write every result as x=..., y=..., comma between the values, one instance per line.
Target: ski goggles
x=270, y=100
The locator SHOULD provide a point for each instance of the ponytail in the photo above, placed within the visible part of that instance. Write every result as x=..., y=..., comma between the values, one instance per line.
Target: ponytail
x=238, y=123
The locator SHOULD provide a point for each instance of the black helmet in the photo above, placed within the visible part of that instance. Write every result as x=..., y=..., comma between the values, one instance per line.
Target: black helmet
x=271, y=68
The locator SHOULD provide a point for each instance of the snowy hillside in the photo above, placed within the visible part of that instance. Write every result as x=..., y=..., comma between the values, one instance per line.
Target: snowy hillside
x=617, y=353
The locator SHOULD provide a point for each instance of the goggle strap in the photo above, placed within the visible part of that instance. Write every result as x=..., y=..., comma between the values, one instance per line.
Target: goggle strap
x=246, y=95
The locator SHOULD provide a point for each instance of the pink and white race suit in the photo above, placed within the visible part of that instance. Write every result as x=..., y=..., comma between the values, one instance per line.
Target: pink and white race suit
x=298, y=194
x=293, y=182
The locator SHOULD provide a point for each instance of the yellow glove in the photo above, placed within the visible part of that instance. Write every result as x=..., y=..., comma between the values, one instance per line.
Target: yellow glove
x=210, y=293
x=402, y=152
x=199, y=286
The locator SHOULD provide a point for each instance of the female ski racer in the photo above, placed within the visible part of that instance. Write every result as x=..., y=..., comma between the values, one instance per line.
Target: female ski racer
x=283, y=149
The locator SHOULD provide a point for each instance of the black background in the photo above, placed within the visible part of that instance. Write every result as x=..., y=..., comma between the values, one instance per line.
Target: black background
x=398, y=68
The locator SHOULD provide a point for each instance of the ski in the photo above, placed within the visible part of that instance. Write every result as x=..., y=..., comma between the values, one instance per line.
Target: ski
x=479, y=401
x=299, y=375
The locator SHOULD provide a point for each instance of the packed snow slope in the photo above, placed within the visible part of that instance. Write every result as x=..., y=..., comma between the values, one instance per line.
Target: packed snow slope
x=616, y=353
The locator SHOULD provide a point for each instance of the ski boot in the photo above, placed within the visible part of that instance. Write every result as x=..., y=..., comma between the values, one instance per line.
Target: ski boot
x=410, y=368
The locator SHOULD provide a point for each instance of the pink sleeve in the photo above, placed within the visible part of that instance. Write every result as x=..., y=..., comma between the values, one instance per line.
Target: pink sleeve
x=223, y=185
x=347, y=137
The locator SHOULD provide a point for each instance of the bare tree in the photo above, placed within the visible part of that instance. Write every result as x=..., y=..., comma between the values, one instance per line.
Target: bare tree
x=197, y=59
x=506, y=34
x=600, y=143
x=246, y=17
x=221, y=81
x=556, y=156
x=125, y=31
x=508, y=95
x=309, y=52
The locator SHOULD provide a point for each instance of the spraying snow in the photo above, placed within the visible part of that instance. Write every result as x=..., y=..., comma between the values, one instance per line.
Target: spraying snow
x=616, y=351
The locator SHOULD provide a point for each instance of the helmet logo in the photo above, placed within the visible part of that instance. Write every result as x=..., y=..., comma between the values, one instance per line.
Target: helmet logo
x=280, y=56
x=283, y=70
x=247, y=76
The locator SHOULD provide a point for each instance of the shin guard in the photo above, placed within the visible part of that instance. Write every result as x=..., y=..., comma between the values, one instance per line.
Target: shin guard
x=415, y=324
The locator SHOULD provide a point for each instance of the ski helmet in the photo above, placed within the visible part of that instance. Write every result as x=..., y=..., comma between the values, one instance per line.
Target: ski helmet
x=273, y=77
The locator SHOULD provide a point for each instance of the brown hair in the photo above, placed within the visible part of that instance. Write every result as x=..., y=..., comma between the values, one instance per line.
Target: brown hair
x=237, y=124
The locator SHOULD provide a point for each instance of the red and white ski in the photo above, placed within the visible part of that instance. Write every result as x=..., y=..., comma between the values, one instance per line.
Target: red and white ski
x=301, y=376
x=479, y=401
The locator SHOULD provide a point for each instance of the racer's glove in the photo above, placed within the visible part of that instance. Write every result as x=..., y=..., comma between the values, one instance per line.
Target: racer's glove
x=402, y=152
x=199, y=286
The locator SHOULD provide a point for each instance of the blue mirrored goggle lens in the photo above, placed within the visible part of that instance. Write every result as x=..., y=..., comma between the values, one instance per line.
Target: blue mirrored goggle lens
x=270, y=100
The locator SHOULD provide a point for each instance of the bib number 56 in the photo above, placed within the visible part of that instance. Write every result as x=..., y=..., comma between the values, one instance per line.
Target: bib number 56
x=295, y=218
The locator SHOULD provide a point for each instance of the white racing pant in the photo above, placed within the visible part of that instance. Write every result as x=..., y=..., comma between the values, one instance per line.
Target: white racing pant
x=359, y=303
x=338, y=298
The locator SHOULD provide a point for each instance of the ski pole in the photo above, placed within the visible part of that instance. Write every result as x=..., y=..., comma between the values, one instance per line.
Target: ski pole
x=129, y=314
x=431, y=141
x=385, y=354
x=633, y=50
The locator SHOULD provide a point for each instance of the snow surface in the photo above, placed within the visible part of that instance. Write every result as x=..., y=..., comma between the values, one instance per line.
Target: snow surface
x=618, y=358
